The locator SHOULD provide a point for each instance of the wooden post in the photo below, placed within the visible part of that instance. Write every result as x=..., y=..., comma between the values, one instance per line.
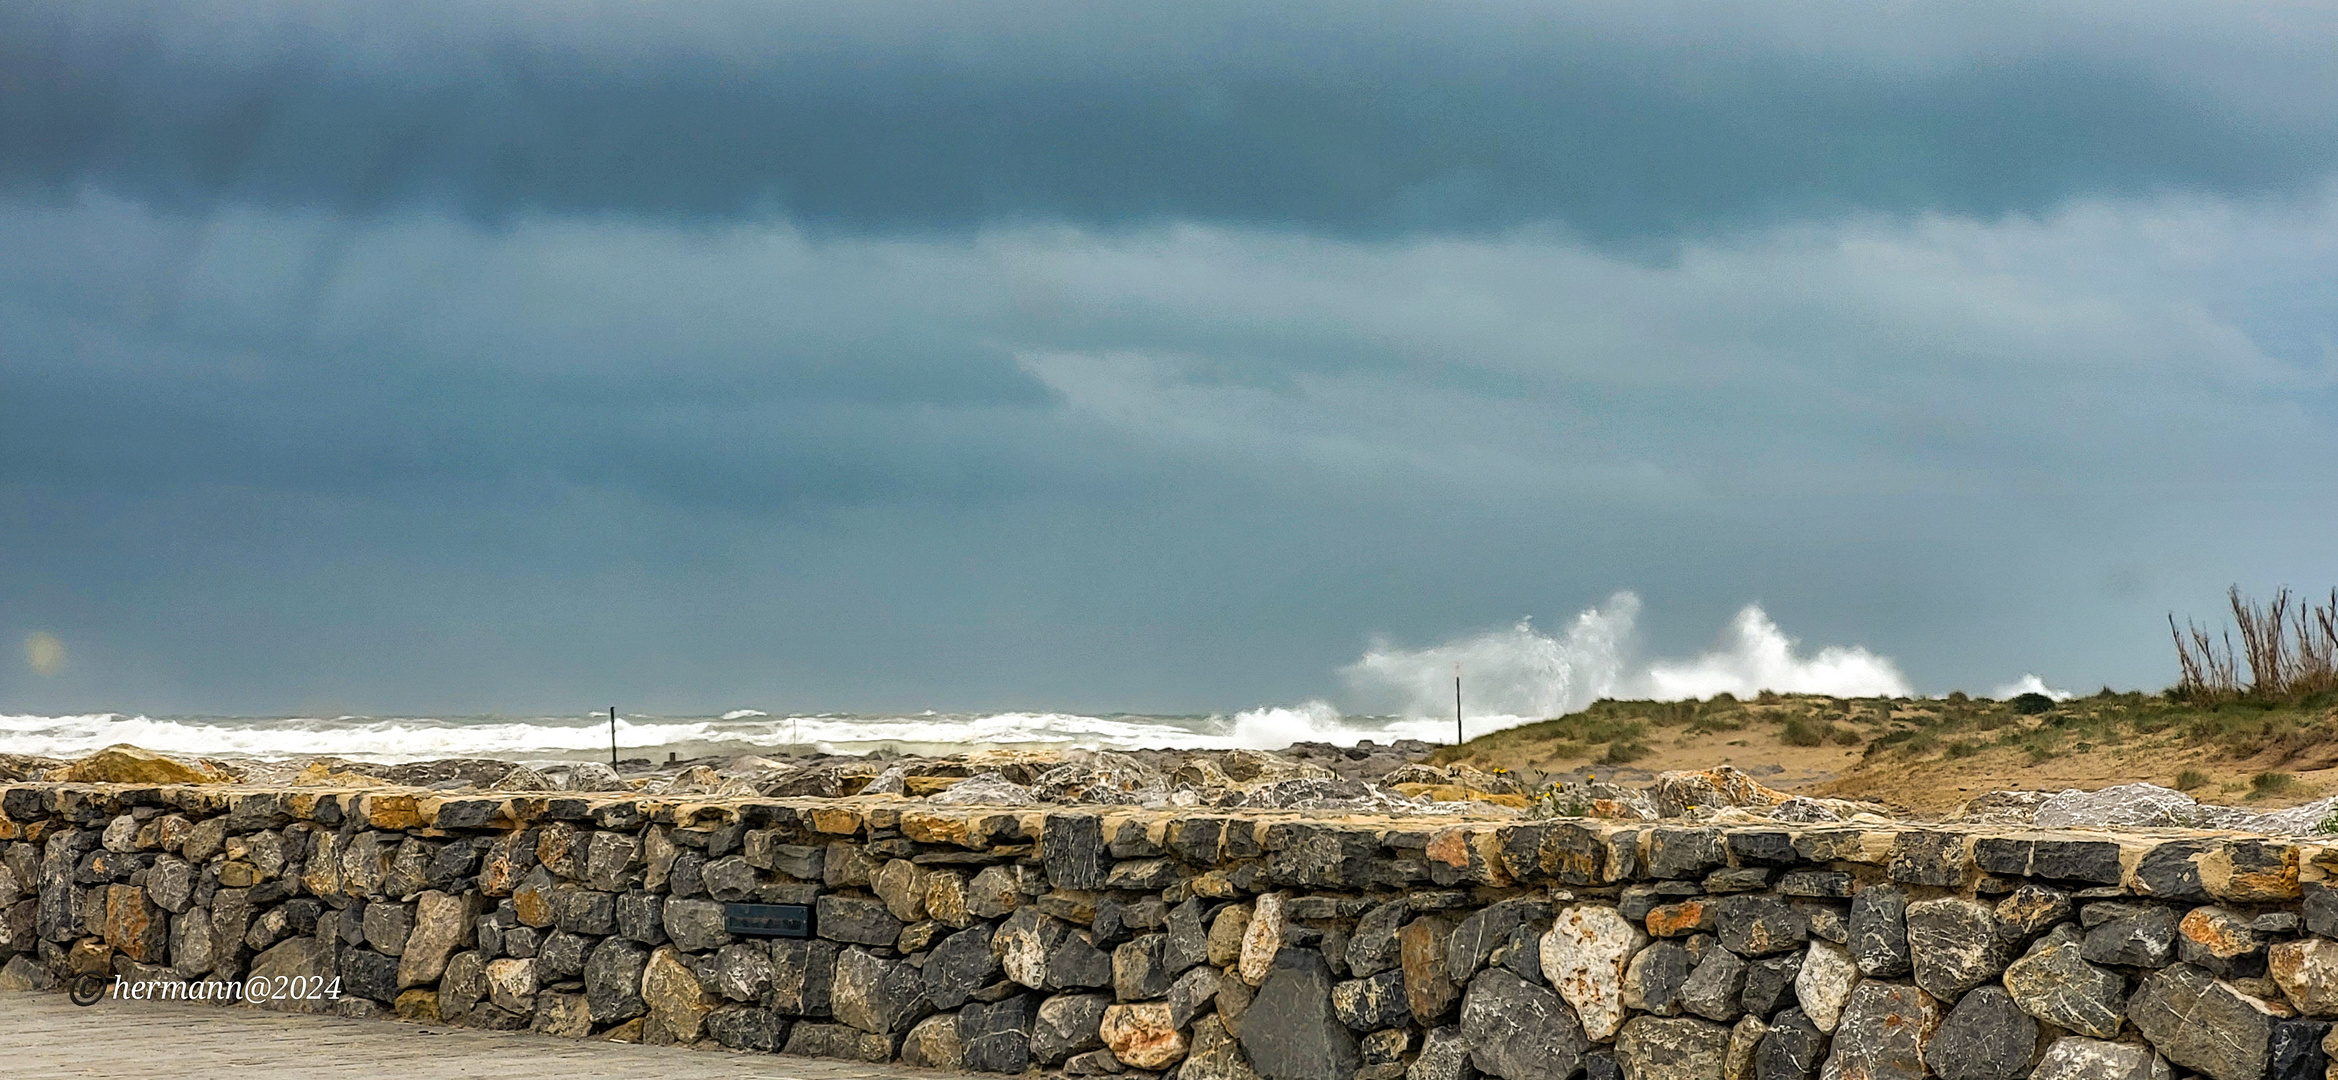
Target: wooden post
x=612, y=736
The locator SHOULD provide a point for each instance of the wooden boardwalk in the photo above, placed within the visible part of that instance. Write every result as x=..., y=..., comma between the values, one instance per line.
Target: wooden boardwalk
x=46, y=1035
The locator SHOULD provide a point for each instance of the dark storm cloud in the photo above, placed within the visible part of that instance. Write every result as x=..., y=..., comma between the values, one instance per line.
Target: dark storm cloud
x=1365, y=119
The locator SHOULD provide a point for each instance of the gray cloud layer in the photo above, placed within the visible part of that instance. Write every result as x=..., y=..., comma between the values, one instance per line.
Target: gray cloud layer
x=1028, y=355
x=1360, y=119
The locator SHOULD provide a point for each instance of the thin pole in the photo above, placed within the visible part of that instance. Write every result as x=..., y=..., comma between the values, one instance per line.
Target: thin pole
x=612, y=736
x=1457, y=704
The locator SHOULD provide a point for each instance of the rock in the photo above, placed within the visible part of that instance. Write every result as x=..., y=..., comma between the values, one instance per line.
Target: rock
x=1373, y=947
x=837, y=1041
x=1683, y=853
x=1196, y=990
x=1024, y=942
x=2202, y=1024
x=962, y=964
x=612, y=978
x=985, y=789
x=1769, y=984
x=2221, y=941
x=1584, y=956
x=1224, y=946
x=803, y=975
x=461, y=987
x=1141, y=1036
x=1714, y=990
x=1653, y=980
x=1444, y=1056
x=1140, y=971
x=563, y=1015
x=2127, y=805
x=1067, y=1024
x=1792, y=1049
x=2307, y=972
x=170, y=882
x=1745, y=1040
x=1879, y=932
x=1823, y=985
x=1675, y=792
x=1985, y=1037
x=1475, y=939
x=901, y=884
x=2296, y=1050
x=1262, y=938
x=2031, y=909
x=742, y=972
x=1652, y=1048
x=368, y=974
x=1373, y=1003
x=123, y=763
x=677, y=1003
x=1760, y=925
x=745, y=1027
x=697, y=925
x=876, y=995
x=1072, y=848
x=442, y=923
x=934, y=1044
x=1520, y=1031
x=294, y=958
x=1290, y=1031
x=997, y=1035
x=1216, y=1055
x=1953, y=945
x=192, y=949
x=2074, y=1058
x=135, y=925
x=851, y=919
x=2056, y=985
x=511, y=985
x=1884, y=1030
x=1421, y=952
x=2138, y=935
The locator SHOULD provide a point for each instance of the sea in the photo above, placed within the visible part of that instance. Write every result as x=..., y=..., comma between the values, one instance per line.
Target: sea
x=736, y=732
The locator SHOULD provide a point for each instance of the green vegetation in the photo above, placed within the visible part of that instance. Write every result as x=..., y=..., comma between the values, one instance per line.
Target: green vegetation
x=2266, y=784
x=2190, y=779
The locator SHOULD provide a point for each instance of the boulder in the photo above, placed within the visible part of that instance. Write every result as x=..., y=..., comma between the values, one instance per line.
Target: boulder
x=996, y=1036
x=442, y=924
x=2126, y=805
x=2056, y=985
x=1262, y=938
x=1715, y=989
x=1198, y=989
x=1421, y=953
x=1519, y=1031
x=1985, y=1037
x=803, y=977
x=1290, y=1031
x=2202, y=1023
x=1953, y=945
x=2134, y=935
x=123, y=763
x=2032, y=909
x=934, y=1044
x=855, y=920
x=957, y=967
x=876, y=995
x=2221, y=941
x=745, y=1027
x=1475, y=939
x=1653, y=980
x=1792, y=1049
x=612, y=978
x=1883, y=1033
x=2075, y=1058
x=293, y=958
x=1372, y=947
x=1760, y=925
x=1141, y=1035
x=677, y=1004
x=1879, y=932
x=742, y=972
x=1213, y=1054
x=1373, y=1003
x=1584, y=956
x=1769, y=984
x=1067, y=1024
x=1745, y=1041
x=2307, y=972
x=1655, y=1048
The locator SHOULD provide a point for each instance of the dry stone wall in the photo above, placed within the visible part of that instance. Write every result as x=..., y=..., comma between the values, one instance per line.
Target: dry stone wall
x=1213, y=945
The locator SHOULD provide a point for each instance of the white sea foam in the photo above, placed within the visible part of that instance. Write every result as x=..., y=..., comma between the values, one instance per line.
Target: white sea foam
x=2029, y=684
x=1510, y=676
x=1524, y=673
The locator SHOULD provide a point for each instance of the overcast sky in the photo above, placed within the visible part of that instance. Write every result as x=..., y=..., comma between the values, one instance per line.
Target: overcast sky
x=480, y=355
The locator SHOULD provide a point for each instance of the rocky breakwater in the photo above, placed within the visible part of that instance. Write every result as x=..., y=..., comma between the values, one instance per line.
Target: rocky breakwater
x=1216, y=944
